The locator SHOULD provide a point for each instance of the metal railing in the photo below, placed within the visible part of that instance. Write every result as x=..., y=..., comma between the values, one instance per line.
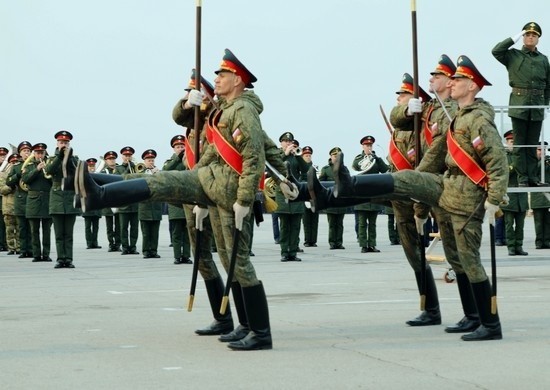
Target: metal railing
x=501, y=111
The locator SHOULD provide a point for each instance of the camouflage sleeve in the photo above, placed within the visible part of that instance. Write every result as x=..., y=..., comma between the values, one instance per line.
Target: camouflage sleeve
x=493, y=156
x=501, y=52
x=399, y=118
x=421, y=210
x=251, y=147
x=273, y=154
x=183, y=117
x=433, y=160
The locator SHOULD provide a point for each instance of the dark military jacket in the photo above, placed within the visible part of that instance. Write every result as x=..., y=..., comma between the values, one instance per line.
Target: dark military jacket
x=110, y=171
x=298, y=167
x=38, y=198
x=327, y=175
x=61, y=202
x=375, y=165
x=529, y=77
x=125, y=169
x=174, y=163
x=539, y=199
x=476, y=133
x=150, y=211
x=518, y=201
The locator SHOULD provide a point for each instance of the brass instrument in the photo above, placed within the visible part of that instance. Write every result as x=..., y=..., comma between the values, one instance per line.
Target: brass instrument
x=270, y=187
x=140, y=167
x=298, y=151
x=101, y=164
x=47, y=176
x=22, y=184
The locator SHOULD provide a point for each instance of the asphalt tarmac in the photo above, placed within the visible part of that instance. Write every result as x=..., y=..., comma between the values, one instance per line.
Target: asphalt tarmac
x=338, y=322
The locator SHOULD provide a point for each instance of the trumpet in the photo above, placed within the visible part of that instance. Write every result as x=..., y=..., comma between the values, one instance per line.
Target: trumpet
x=298, y=151
x=140, y=167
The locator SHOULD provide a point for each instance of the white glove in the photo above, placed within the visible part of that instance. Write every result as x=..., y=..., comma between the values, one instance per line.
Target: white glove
x=240, y=214
x=414, y=106
x=200, y=215
x=194, y=98
x=307, y=204
x=420, y=224
x=289, y=190
x=490, y=211
x=517, y=37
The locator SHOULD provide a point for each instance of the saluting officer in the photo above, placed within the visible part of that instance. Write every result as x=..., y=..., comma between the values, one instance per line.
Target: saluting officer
x=176, y=215
x=128, y=214
x=112, y=221
x=62, y=207
x=91, y=217
x=20, y=202
x=529, y=77
x=150, y=213
x=38, y=202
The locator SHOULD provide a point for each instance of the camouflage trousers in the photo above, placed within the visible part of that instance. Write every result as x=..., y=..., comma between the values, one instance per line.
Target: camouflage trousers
x=185, y=187
x=12, y=232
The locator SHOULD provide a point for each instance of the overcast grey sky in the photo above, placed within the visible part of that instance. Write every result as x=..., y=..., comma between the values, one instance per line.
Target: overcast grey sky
x=111, y=71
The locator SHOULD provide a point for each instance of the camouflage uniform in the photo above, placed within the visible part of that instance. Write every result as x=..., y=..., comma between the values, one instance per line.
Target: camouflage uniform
x=8, y=210
x=61, y=209
x=19, y=206
x=37, y=209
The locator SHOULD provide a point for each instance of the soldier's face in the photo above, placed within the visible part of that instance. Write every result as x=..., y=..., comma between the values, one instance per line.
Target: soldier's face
x=530, y=39
x=307, y=157
x=62, y=144
x=225, y=83
x=149, y=162
x=439, y=82
x=127, y=157
x=403, y=98
x=178, y=148
x=111, y=162
x=460, y=87
x=367, y=148
x=25, y=153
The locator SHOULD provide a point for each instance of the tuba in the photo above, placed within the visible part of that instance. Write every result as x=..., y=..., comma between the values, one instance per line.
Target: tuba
x=367, y=162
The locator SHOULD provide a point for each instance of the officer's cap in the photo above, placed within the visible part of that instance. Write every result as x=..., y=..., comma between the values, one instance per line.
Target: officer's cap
x=39, y=147
x=208, y=88
x=91, y=161
x=3, y=151
x=307, y=150
x=444, y=66
x=149, y=153
x=177, y=140
x=509, y=134
x=367, y=140
x=127, y=151
x=230, y=63
x=14, y=157
x=335, y=150
x=533, y=27
x=466, y=68
x=407, y=86
x=288, y=136
x=24, y=145
x=63, y=135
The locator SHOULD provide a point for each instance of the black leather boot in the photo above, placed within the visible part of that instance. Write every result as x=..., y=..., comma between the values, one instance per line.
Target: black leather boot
x=95, y=197
x=431, y=315
x=490, y=323
x=242, y=330
x=257, y=313
x=321, y=194
x=359, y=186
x=68, y=168
x=470, y=321
x=222, y=323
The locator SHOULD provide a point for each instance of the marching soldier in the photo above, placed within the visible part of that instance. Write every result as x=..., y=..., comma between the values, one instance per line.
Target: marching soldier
x=290, y=213
x=480, y=179
x=180, y=235
x=128, y=214
x=8, y=200
x=310, y=219
x=367, y=163
x=61, y=208
x=38, y=201
x=518, y=204
x=529, y=76
x=150, y=213
x=91, y=218
x=403, y=156
x=112, y=221
x=20, y=202
x=227, y=176
x=335, y=215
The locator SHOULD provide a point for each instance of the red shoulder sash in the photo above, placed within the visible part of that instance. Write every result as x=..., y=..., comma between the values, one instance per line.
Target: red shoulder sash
x=464, y=161
x=427, y=130
x=398, y=159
